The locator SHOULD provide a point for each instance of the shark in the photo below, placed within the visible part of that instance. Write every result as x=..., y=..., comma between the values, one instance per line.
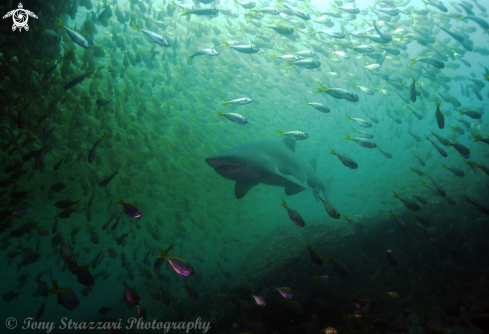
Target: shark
x=271, y=162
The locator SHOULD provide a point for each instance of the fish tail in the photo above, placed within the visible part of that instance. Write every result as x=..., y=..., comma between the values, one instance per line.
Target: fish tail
x=445, y=167
x=185, y=12
x=288, y=63
x=438, y=103
x=224, y=103
x=280, y=133
x=476, y=136
x=283, y=203
x=413, y=61
x=411, y=168
x=60, y=23
x=162, y=255
x=392, y=214
x=395, y=195
x=226, y=44
x=322, y=89
x=467, y=199
x=312, y=31
x=219, y=113
x=307, y=103
x=135, y=26
x=55, y=289
x=308, y=245
x=347, y=137
x=328, y=257
x=347, y=116
x=273, y=55
x=332, y=152
x=461, y=112
x=120, y=201
x=190, y=58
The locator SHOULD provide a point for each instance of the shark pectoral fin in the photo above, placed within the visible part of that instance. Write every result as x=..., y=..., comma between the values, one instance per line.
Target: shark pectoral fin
x=292, y=179
x=314, y=164
x=241, y=189
x=292, y=189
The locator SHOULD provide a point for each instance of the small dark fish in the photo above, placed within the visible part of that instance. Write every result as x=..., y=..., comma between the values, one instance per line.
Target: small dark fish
x=313, y=255
x=58, y=164
x=40, y=312
x=25, y=228
x=83, y=275
x=442, y=152
x=103, y=310
x=104, y=227
x=333, y=213
x=67, y=252
x=97, y=260
x=66, y=296
x=112, y=253
x=294, y=216
x=191, y=292
x=102, y=102
x=66, y=213
x=422, y=200
x=440, y=119
x=413, y=91
x=91, y=156
x=130, y=209
x=94, y=237
x=58, y=187
x=10, y=295
x=120, y=240
x=78, y=80
x=338, y=267
x=64, y=204
x=453, y=309
x=393, y=262
x=141, y=312
x=130, y=295
x=107, y=180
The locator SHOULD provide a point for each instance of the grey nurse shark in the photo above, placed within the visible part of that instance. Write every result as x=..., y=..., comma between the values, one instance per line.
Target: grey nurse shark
x=271, y=162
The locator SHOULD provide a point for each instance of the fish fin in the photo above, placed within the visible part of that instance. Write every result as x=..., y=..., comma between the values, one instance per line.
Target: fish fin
x=219, y=113
x=55, y=288
x=185, y=12
x=395, y=195
x=289, y=142
x=292, y=189
x=241, y=189
x=135, y=26
x=224, y=103
x=314, y=163
x=60, y=23
x=190, y=58
x=280, y=133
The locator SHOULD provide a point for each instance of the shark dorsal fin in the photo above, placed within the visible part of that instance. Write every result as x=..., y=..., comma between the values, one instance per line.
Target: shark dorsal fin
x=289, y=142
x=314, y=163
